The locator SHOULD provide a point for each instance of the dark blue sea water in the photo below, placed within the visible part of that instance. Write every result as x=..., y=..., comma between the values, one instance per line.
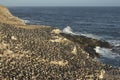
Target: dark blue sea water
x=95, y=22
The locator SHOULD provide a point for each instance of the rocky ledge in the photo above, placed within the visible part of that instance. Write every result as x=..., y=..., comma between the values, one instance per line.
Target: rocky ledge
x=30, y=52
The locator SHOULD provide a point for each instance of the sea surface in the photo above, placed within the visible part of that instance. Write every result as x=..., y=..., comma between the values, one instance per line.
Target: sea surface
x=96, y=22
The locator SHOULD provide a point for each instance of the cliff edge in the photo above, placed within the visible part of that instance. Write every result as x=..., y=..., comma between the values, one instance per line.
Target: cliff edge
x=30, y=52
x=8, y=18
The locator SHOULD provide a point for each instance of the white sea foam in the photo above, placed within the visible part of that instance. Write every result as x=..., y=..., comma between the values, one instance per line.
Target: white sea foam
x=106, y=52
x=26, y=21
x=91, y=36
x=68, y=30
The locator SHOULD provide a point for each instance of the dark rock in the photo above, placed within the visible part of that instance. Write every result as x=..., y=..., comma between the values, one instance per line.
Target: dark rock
x=88, y=44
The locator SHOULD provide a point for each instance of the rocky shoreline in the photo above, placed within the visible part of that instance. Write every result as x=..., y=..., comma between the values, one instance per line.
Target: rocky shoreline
x=29, y=52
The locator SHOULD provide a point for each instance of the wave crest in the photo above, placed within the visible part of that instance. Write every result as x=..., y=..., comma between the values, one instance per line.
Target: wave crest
x=68, y=30
x=26, y=21
x=106, y=52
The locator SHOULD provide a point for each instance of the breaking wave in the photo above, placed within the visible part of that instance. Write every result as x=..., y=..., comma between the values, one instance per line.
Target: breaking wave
x=91, y=36
x=108, y=57
x=26, y=21
x=106, y=52
x=68, y=30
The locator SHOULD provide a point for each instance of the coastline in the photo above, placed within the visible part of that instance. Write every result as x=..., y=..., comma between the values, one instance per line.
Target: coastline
x=43, y=52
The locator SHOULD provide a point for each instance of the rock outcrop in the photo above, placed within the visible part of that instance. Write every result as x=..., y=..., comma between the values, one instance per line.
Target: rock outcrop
x=30, y=52
x=87, y=44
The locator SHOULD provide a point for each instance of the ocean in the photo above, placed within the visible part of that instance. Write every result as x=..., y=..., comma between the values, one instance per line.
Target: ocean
x=101, y=23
